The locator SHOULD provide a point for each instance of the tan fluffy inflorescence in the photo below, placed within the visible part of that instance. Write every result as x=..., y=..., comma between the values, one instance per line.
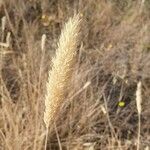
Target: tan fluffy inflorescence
x=62, y=64
x=139, y=96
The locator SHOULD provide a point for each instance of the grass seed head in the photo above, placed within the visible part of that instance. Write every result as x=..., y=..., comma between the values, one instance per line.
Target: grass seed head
x=60, y=74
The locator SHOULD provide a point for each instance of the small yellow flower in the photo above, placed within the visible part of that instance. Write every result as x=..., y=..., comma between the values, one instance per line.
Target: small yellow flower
x=81, y=14
x=109, y=47
x=121, y=104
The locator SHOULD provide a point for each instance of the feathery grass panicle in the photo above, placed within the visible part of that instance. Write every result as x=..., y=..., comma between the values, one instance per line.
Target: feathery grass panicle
x=60, y=74
x=139, y=96
x=43, y=41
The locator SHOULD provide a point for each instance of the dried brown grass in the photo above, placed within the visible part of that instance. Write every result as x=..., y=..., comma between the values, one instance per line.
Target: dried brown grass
x=113, y=56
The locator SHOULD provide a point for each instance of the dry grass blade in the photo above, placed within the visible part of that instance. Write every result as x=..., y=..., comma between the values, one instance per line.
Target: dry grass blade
x=60, y=74
x=139, y=108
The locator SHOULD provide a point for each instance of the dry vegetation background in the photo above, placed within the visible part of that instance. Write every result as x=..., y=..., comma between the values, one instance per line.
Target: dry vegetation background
x=114, y=54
